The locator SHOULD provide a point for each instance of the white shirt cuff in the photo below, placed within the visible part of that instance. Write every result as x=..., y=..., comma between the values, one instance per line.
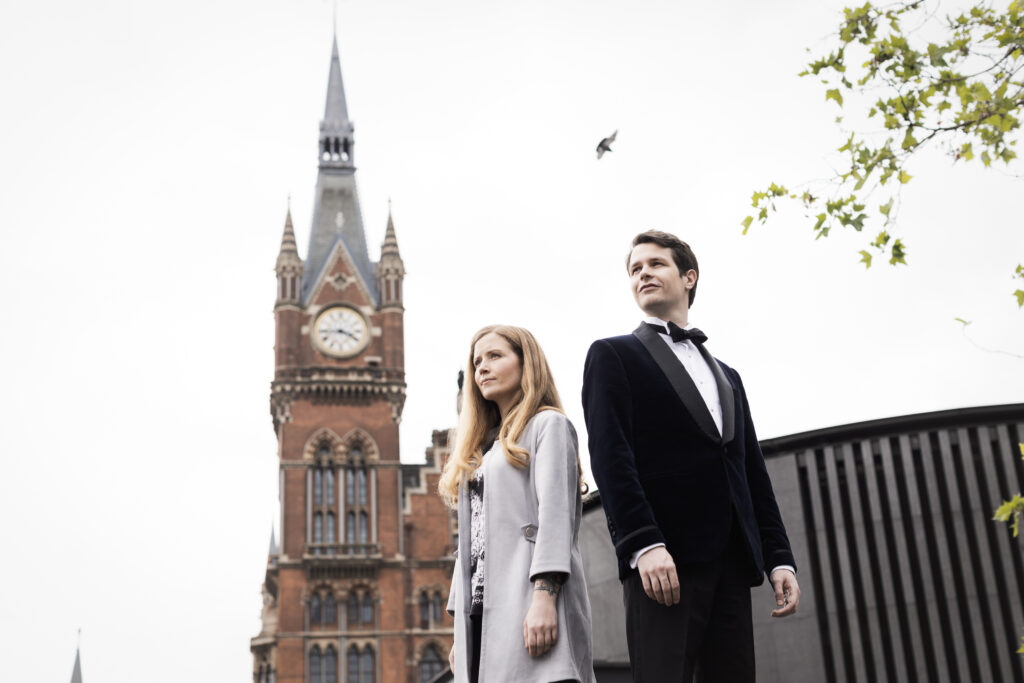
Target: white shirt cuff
x=782, y=566
x=636, y=556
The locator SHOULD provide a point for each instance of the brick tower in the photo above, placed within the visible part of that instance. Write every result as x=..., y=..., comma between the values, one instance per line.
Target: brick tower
x=355, y=587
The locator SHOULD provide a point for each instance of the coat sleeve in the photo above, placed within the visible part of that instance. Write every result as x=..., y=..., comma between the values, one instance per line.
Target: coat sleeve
x=608, y=411
x=774, y=540
x=556, y=485
x=456, y=576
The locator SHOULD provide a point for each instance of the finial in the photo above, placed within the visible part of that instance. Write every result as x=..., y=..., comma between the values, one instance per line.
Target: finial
x=289, y=202
x=79, y=646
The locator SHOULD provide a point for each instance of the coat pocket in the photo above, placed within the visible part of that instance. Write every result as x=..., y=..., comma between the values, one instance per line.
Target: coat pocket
x=530, y=532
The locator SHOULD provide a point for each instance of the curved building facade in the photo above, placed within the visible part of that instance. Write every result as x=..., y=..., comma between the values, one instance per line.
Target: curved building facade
x=904, y=574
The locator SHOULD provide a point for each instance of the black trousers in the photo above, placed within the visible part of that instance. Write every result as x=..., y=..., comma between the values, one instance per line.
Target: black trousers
x=708, y=636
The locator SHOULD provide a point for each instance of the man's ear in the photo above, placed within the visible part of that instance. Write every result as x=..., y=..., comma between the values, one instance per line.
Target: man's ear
x=690, y=279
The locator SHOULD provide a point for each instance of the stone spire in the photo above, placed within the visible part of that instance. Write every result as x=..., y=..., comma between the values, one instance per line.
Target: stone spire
x=76, y=673
x=390, y=269
x=337, y=144
x=272, y=550
x=336, y=214
x=289, y=265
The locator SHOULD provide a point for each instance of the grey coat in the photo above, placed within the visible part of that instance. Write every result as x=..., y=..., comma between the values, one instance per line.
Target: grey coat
x=531, y=526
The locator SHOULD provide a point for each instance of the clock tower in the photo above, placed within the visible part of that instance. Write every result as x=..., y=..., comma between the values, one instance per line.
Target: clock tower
x=356, y=583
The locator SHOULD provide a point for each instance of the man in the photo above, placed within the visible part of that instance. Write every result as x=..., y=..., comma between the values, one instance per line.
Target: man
x=683, y=482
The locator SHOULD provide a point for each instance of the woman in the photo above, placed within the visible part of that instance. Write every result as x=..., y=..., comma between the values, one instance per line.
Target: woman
x=518, y=594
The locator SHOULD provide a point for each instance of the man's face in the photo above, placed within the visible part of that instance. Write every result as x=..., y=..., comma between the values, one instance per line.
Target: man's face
x=658, y=286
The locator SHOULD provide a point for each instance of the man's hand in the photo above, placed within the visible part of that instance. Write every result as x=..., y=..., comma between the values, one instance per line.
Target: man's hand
x=658, y=572
x=451, y=658
x=787, y=592
x=540, y=628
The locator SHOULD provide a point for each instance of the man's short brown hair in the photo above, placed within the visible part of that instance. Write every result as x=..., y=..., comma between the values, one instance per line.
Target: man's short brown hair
x=681, y=252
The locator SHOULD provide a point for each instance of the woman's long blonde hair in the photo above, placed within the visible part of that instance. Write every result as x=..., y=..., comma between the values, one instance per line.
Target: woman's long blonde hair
x=479, y=416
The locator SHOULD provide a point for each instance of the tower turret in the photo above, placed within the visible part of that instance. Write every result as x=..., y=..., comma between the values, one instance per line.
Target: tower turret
x=289, y=266
x=390, y=269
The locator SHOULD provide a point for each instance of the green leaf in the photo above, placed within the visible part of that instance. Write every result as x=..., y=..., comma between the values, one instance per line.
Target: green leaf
x=1011, y=509
x=746, y=223
x=963, y=322
x=905, y=177
x=1020, y=298
x=834, y=94
x=909, y=140
x=865, y=258
x=1021, y=446
x=887, y=207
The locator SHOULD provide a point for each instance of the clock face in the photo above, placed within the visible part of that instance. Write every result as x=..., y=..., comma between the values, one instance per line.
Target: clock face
x=341, y=331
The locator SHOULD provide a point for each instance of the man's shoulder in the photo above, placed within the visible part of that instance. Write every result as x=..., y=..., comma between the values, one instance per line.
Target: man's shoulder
x=617, y=342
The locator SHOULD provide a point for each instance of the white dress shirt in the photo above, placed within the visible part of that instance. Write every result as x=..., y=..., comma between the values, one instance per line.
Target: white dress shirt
x=700, y=372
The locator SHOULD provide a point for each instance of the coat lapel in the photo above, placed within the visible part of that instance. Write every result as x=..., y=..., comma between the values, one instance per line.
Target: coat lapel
x=681, y=381
x=725, y=395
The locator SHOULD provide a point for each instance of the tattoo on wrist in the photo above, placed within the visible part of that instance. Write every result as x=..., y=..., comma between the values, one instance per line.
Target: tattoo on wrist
x=551, y=583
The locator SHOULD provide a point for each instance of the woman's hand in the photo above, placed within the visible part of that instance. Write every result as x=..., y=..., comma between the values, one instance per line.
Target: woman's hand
x=540, y=628
x=451, y=658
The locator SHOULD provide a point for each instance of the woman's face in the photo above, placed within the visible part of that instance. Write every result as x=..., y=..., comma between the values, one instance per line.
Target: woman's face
x=497, y=371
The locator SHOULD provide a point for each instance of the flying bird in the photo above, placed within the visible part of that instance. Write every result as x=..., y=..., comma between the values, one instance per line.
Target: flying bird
x=606, y=144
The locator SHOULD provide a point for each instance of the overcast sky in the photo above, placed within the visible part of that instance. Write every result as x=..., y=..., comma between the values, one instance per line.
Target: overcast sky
x=147, y=152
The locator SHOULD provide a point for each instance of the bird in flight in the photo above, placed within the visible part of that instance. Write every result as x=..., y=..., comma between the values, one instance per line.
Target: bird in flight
x=606, y=144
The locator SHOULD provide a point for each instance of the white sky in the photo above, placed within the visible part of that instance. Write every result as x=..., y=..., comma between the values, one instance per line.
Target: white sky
x=146, y=155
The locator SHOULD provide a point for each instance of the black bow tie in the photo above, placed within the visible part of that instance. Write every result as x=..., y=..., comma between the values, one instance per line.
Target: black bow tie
x=678, y=334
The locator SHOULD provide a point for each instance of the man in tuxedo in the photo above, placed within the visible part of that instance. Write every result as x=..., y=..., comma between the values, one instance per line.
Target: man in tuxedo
x=683, y=482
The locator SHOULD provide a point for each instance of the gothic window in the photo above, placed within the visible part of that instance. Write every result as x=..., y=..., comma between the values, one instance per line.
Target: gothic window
x=329, y=484
x=430, y=665
x=361, y=475
x=424, y=610
x=318, y=528
x=353, y=665
x=366, y=665
x=350, y=528
x=353, y=609
x=436, y=608
x=367, y=612
x=318, y=486
x=323, y=668
x=362, y=528
x=330, y=612
x=350, y=486
x=314, y=609
x=314, y=664
x=330, y=666
x=330, y=528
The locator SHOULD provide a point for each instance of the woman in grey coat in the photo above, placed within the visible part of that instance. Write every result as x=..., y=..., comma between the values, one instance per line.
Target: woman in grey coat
x=518, y=594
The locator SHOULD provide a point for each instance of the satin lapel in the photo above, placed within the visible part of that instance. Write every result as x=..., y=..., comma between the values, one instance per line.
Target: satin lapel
x=679, y=378
x=725, y=395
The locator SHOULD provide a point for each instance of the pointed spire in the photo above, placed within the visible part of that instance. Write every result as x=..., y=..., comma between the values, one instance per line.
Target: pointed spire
x=272, y=550
x=76, y=673
x=336, y=109
x=289, y=252
x=390, y=245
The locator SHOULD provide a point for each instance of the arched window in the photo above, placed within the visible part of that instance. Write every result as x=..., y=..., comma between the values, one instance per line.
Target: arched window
x=314, y=609
x=367, y=614
x=330, y=527
x=350, y=486
x=329, y=484
x=353, y=609
x=436, y=608
x=330, y=666
x=330, y=612
x=314, y=664
x=318, y=486
x=318, y=528
x=350, y=528
x=353, y=665
x=362, y=529
x=367, y=664
x=430, y=665
x=424, y=610
x=361, y=474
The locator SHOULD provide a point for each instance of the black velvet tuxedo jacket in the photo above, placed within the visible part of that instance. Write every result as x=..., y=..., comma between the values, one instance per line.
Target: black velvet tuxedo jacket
x=665, y=473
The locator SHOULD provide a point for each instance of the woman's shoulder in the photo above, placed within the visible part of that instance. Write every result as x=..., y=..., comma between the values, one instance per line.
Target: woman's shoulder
x=546, y=420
